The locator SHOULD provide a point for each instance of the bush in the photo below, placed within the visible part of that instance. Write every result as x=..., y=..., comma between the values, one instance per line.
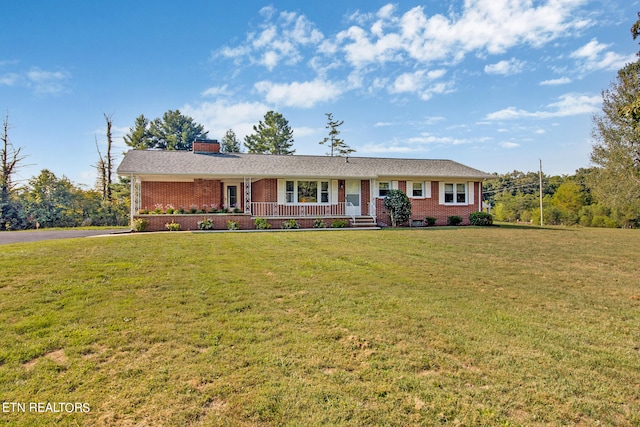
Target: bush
x=339, y=223
x=318, y=223
x=139, y=224
x=233, y=225
x=430, y=221
x=261, y=224
x=290, y=224
x=398, y=205
x=172, y=226
x=205, y=224
x=454, y=220
x=480, y=219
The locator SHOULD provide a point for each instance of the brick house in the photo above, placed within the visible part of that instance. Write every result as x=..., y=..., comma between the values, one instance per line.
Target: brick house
x=304, y=188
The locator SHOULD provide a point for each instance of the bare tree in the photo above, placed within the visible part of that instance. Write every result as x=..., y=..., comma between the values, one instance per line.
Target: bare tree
x=105, y=163
x=9, y=159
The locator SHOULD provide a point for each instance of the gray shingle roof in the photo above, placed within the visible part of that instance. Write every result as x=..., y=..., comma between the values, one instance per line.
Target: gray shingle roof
x=189, y=164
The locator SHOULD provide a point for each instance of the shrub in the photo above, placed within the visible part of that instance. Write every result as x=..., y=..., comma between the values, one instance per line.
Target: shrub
x=172, y=226
x=290, y=224
x=430, y=221
x=205, y=224
x=233, y=225
x=170, y=211
x=454, y=220
x=261, y=224
x=318, y=223
x=480, y=218
x=193, y=209
x=139, y=224
x=398, y=205
x=339, y=223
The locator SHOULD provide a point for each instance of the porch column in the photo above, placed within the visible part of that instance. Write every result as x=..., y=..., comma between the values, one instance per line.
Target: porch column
x=132, y=199
x=247, y=195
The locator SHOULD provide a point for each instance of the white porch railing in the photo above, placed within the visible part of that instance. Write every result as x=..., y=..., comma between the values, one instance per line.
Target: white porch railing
x=270, y=209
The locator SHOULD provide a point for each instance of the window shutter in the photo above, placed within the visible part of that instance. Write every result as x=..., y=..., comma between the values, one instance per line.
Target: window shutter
x=441, y=192
x=394, y=185
x=334, y=191
x=471, y=192
x=410, y=189
x=282, y=188
x=427, y=189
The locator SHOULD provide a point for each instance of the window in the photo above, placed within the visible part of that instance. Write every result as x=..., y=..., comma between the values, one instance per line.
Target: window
x=324, y=192
x=306, y=191
x=290, y=191
x=455, y=193
x=383, y=188
x=418, y=189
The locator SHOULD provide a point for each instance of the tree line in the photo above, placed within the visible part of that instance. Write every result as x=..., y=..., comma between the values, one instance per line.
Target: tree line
x=567, y=200
x=51, y=201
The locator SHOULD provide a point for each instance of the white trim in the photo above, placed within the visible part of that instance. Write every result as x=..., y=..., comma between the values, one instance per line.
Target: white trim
x=467, y=194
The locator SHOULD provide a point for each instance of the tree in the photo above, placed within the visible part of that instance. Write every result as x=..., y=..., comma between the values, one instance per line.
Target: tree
x=9, y=159
x=139, y=136
x=337, y=145
x=398, y=205
x=616, y=152
x=273, y=136
x=174, y=131
x=53, y=201
x=105, y=164
x=230, y=143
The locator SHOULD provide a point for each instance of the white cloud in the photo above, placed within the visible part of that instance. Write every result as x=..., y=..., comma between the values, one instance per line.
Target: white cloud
x=40, y=81
x=505, y=68
x=595, y=56
x=278, y=39
x=570, y=104
x=556, y=82
x=509, y=144
x=217, y=91
x=299, y=94
x=219, y=116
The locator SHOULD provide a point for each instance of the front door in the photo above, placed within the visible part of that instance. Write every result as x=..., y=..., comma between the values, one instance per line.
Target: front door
x=232, y=197
x=353, y=197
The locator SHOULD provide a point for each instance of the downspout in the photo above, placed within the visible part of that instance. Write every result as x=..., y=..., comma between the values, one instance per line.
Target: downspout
x=132, y=200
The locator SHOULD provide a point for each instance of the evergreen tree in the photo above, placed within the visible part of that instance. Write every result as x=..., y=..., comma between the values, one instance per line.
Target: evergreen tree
x=174, y=131
x=139, y=137
x=337, y=145
x=230, y=143
x=273, y=136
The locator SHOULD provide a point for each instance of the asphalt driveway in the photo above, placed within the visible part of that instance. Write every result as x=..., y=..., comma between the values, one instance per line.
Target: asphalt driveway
x=35, y=236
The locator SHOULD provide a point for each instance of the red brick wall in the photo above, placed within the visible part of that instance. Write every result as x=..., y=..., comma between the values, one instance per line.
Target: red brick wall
x=365, y=196
x=421, y=208
x=246, y=222
x=265, y=190
x=201, y=192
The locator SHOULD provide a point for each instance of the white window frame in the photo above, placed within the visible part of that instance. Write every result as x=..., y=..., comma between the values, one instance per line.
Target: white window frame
x=425, y=186
x=294, y=193
x=467, y=194
x=389, y=183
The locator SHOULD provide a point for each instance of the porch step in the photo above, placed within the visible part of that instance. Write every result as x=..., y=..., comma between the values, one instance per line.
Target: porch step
x=364, y=221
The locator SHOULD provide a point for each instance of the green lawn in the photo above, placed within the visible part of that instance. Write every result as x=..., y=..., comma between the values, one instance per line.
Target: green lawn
x=453, y=326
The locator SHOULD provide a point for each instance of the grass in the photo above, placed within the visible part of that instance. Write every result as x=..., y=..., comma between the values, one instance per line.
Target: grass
x=468, y=326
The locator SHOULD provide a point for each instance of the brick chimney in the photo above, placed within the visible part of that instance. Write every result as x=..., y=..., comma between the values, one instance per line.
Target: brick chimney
x=201, y=146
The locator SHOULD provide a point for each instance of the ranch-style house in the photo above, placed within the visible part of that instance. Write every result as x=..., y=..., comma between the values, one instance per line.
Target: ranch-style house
x=188, y=186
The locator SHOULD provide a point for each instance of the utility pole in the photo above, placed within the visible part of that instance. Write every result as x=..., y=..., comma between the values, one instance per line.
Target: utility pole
x=541, y=213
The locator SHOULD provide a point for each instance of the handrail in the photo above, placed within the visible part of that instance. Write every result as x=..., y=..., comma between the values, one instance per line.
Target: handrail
x=372, y=211
x=352, y=210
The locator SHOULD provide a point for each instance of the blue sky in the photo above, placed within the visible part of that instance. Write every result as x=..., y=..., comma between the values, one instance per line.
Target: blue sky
x=494, y=84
